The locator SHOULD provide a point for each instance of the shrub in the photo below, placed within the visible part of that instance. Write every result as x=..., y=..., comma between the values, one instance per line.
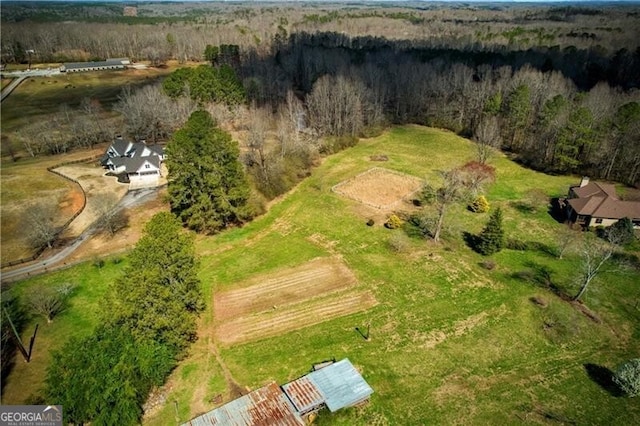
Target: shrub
x=479, y=205
x=488, y=264
x=627, y=376
x=98, y=263
x=621, y=232
x=515, y=244
x=393, y=222
x=371, y=222
x=398, y=242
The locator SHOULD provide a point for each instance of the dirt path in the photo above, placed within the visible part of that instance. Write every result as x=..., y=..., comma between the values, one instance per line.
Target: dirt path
x=235, y=390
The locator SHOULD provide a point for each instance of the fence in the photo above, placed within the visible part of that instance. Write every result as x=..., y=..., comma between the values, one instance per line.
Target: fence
x=51, y=169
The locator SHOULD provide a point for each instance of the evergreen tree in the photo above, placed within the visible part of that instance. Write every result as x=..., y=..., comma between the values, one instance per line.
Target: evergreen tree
x=106, y=377
x=158, y=296
x=627, y=376
x=206, y=84
x=491, y=239
x=208, y=189
x=621, y=232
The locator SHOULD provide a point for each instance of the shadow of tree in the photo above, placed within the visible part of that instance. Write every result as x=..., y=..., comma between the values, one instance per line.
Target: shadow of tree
x=604, y=378
x=471, y=240
x=556, y=210
x=541, y=276
x=523, y=207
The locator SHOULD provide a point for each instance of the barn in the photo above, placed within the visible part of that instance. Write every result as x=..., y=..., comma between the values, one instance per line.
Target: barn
x=338, y=385
x=109, y=64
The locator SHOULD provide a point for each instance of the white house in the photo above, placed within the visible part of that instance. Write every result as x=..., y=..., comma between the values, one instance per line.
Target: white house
x=138, y=163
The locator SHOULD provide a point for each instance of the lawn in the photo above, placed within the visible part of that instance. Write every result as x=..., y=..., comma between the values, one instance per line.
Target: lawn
x=451, y=342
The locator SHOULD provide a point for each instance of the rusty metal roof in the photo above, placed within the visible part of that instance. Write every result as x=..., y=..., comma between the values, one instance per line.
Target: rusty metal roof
x=267, y=406
x=304, y=394
x=338, y=385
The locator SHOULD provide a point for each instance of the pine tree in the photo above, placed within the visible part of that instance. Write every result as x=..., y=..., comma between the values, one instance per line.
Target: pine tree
x=208, y=189
x=491, y=239
x=158, y=297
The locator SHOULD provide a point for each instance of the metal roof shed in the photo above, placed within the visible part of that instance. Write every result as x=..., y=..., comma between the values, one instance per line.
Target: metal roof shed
x=341, y=384
x=304, y=394
x=267, y=406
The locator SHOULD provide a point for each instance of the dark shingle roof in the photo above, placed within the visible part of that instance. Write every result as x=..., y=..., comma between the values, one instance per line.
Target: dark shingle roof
x=600, y=200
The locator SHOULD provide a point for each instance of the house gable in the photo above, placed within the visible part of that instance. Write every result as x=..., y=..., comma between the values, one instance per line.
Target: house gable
x=133, y=158
x=598, y=202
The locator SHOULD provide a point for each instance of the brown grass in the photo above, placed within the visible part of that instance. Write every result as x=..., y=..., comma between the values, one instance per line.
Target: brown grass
x=379, y=188
x=25, y=182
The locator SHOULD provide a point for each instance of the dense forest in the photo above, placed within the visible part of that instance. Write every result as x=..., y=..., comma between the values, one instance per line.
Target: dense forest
x=555, y=86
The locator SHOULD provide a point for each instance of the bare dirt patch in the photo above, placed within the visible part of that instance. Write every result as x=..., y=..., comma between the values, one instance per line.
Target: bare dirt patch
x=293, y=317
x=291, y=299
x=379, y=188
x=96, y=184
x=125, y=239
x=319, y=276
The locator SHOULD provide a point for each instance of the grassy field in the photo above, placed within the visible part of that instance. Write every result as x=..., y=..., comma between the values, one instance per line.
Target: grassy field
x=27, y=180
x=451, y=342
x=6, y=82
x=39, y=96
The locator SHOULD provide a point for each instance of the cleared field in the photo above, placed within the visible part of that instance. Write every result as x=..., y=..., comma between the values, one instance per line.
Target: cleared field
x=380, y=188
x=284, y=287
x=287, y=300
x=293, y=317
x=27, y=181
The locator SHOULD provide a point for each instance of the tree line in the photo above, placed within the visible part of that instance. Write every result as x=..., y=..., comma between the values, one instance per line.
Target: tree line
x=173, y=31
x=146, y=326
x=542, y=116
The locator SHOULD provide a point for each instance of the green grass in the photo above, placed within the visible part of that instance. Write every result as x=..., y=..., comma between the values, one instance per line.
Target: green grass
x=451, y=342
x=78, y=320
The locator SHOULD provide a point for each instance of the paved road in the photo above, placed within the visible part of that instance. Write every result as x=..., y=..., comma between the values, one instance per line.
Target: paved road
x=32, y=73
x=21, y=76
x=7, y=90
x=131, y=199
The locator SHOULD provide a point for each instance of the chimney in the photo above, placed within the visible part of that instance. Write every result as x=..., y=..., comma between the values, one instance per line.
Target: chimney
x=584, y=181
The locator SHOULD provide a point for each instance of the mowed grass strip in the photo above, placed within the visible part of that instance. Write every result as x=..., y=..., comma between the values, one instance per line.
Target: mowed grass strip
x=292, y=317
x=310, y=279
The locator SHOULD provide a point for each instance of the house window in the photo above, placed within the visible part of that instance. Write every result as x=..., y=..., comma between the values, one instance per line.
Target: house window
x=599, y=220
x=146, y=166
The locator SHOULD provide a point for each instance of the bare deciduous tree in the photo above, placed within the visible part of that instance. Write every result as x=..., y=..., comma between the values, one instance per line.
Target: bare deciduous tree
x=111, y=219
x=40, y=224
x=48, y=301
x=595, y=254
x=336, y=106
x=566, y=238
x=487, y=137
x=151, y=115
x=453, y=189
